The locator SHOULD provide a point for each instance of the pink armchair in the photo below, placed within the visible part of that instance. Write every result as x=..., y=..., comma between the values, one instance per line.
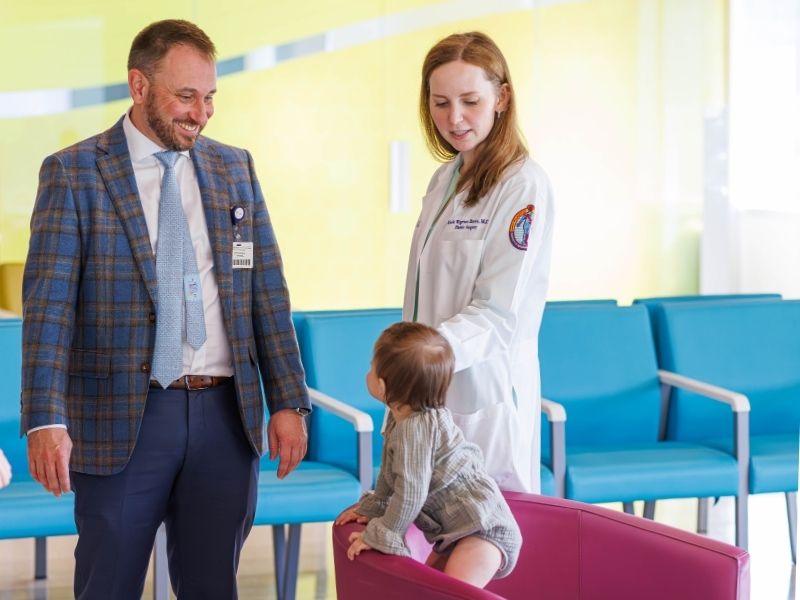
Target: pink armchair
x=570, y=551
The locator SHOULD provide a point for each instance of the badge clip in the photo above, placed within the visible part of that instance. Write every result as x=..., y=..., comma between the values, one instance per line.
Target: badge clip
x=237, y=216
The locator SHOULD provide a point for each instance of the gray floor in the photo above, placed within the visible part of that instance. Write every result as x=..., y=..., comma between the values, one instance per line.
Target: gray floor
x=772, y=572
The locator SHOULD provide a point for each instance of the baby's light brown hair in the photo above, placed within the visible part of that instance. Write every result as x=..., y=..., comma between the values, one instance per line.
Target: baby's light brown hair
x=416, y=364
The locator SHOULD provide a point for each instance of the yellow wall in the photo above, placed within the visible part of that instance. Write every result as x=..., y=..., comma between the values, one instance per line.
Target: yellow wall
x=613, y=96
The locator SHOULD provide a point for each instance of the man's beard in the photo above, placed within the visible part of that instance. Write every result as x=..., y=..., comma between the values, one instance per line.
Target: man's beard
x=164, y=130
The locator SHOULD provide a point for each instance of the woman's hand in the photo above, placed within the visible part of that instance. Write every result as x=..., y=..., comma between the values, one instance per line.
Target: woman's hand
x=357, y=544
x=348, y=515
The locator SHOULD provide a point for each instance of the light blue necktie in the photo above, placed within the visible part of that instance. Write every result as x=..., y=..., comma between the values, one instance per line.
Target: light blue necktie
x=180, y=297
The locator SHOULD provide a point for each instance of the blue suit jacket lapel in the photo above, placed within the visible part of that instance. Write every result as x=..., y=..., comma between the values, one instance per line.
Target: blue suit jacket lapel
x=114, y=164
x=214, y=190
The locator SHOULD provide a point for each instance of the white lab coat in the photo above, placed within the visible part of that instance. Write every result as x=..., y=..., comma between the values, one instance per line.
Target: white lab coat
x=487, y=296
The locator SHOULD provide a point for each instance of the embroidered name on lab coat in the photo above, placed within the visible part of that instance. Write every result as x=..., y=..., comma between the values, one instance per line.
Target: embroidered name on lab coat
x=467, y=224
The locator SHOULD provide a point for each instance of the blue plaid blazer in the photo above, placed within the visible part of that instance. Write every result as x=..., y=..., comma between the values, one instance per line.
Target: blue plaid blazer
x=90, y=296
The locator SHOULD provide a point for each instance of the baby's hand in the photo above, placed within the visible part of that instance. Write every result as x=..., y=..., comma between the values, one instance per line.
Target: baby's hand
x=349, y=515
x=356, y=544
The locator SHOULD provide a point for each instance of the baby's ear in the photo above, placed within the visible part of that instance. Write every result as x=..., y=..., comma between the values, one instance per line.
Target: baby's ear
x=382, y=389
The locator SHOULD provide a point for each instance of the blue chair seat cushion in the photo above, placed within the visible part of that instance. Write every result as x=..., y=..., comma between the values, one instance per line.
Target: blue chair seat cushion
x=312, y=493
x=773, y=461
x=649, y=471
x=27, y=510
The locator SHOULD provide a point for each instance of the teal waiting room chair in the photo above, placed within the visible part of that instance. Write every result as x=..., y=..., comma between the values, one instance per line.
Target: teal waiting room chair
x=751, y=349
x=599, y=363
x=653, y=305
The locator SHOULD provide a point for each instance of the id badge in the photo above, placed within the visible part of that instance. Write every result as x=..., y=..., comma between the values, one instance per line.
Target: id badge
x=242, y=255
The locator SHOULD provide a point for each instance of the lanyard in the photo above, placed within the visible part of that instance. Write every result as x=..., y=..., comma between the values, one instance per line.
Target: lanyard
x=448, y=195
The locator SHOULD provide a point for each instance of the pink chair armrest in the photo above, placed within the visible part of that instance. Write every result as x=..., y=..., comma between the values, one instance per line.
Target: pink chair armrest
x=388, y=577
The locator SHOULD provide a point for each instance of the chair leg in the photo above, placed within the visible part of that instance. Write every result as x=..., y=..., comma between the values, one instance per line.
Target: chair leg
x=791, y=513
x=160, y=566
x=649, y=509
x=628, y=508
x=287, y=558
x=741, y=521
x=703, y=505
x=40, y=558
x=292, y=562
x=279, y=550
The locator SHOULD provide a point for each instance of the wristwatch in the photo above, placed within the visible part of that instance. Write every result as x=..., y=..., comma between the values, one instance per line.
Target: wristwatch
x=303, y=412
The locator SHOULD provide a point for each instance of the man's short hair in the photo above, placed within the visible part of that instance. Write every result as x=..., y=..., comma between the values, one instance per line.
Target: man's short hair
x=153, y=42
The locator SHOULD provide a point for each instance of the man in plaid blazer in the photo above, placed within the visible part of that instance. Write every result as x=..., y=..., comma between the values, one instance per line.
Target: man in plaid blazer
x=135, y=452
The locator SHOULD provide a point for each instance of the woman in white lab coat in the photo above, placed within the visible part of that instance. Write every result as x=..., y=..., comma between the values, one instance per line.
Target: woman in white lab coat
x=480, y=255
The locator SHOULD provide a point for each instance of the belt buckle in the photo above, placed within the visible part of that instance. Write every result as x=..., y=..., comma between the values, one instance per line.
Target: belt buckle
x=194, y=388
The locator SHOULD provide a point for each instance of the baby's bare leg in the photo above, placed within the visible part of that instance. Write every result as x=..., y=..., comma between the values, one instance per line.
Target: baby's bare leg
x=474, y=560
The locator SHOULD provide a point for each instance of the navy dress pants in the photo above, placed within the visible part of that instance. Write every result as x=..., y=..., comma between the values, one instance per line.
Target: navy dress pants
x=193, y=469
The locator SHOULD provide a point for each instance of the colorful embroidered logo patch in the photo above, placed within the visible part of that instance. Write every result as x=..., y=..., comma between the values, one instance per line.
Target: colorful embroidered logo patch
x=520, y=227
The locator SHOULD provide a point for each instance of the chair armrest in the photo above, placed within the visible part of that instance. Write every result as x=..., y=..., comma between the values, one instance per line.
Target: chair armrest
x=555, y=412
x=740, y=406
x=738, y=402
x=557, y=416
x=362, y=423
x=394, y=577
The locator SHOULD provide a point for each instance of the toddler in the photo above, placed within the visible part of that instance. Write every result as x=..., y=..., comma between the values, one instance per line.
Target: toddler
x=429, y=474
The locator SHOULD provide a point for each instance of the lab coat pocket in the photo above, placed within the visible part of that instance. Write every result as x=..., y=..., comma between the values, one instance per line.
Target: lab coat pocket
x=477, y=424
x=496, y=431
x=460, y=262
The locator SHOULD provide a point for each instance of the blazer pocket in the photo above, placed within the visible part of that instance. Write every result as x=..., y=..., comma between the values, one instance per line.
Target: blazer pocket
x=89, y=363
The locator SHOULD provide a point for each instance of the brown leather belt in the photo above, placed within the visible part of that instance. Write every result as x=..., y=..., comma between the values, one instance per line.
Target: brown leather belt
x=194, y=382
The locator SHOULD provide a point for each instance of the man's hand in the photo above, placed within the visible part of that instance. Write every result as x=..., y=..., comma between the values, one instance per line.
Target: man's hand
x=5, y=470
x=287, y=438
x=356, y=544
x=350, y=514
x=48, y=458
